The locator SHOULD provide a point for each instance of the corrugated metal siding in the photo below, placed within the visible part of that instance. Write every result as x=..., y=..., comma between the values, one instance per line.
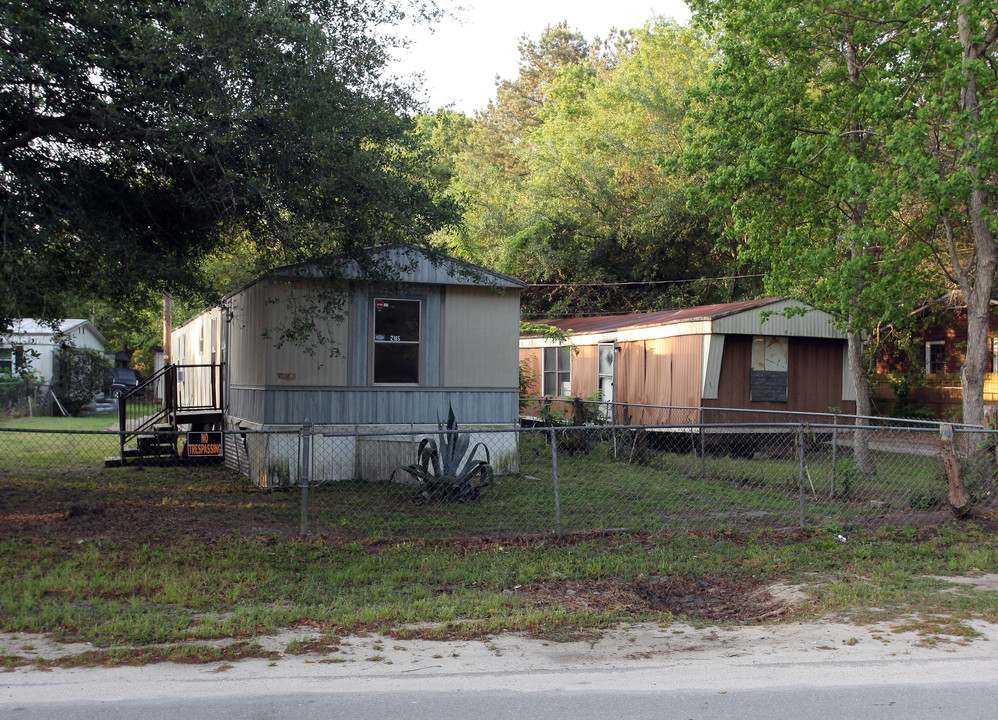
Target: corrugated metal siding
x=672, y=377
x=660, y=372
x=246, y=403
x=480, y=331
x=585, y=366
x=814, y=382
x=447, y=273
x=411, y=265
x=385, y=406
x=814, y=323
x=630, y=380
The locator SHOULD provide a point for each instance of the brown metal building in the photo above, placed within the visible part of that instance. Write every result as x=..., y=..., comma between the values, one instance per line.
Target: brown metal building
x=757, y=355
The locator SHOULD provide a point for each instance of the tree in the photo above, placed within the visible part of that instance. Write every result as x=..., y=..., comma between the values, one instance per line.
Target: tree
x=945, y=148
x=138, y=137
x=81, y=374
x=568, y=180
x=610, y=207
x=791, y=146
x=488, y=170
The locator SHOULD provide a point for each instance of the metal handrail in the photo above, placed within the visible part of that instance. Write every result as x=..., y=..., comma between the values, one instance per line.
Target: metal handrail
x=172, y=400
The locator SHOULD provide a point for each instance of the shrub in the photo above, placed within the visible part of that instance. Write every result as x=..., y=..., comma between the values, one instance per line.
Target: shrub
x=81, y=374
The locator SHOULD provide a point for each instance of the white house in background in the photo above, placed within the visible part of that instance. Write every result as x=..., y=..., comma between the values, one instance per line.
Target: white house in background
x=33, y=344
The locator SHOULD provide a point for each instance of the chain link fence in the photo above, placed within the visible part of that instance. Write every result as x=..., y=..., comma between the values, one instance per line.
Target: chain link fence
x=818, y=471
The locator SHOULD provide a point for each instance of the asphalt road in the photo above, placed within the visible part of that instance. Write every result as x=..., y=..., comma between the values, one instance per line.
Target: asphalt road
x=818, y=671
x=580, y=695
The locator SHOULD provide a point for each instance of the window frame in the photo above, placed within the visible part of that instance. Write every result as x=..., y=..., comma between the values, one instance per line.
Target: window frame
x=419, y=343
x=929, y=346
x=562, y=376
x=769, y=375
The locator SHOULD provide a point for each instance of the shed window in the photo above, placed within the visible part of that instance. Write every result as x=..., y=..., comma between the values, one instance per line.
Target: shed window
x=935, y=356
x=396, y=341
x=558, y=371
x=769, y=372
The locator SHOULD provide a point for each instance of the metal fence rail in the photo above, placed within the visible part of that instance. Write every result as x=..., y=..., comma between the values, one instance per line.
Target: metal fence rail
x=562, y=479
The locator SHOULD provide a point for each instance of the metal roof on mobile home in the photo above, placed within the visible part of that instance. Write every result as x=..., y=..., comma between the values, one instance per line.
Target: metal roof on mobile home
x=768, y=316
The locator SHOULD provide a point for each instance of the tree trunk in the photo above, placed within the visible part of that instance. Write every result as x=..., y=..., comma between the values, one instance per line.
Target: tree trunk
x=854, y=340
x=958, y=501
x=977, y=279
x=861, y=382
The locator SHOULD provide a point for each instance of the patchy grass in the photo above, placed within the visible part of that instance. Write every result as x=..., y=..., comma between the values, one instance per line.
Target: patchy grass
x=133, y=559
x=115, y=594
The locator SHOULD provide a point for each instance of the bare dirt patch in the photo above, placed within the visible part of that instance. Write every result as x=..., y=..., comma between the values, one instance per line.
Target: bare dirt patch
x=705, y=599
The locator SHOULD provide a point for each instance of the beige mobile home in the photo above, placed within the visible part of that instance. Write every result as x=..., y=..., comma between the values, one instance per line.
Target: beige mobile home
x=391, y=358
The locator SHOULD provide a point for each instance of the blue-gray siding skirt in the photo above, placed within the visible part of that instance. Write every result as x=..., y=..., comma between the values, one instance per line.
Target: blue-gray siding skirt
x=372, y=406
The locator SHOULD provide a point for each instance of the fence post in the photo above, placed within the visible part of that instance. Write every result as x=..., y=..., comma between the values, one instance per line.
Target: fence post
x=835, y=447
x=800, y=471
x=304, y=470
x=703, y=451
x=122, y=427
x=557, y=495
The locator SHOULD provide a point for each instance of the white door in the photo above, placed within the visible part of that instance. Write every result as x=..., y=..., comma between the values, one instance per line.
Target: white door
x=605, y=380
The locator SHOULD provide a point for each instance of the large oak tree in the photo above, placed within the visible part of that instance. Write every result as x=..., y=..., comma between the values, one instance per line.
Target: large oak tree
x=138, y=137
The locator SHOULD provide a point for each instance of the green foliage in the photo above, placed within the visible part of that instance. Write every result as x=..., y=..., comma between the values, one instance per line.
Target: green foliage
x=15, y=392
x=788, y=140
x=138, y=137
x=81, y=374
x=445, y=471
x=567, y=182
x=529, y=381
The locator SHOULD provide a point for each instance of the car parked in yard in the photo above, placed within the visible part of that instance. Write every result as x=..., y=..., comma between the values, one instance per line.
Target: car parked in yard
x=123, y=380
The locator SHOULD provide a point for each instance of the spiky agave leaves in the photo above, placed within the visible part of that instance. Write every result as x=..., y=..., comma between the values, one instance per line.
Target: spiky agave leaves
x=441, y=472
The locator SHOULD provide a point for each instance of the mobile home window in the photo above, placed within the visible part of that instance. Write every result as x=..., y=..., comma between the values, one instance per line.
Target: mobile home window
x=396, y=341
x=558, y=371
x=935, y=356
x=769, y=373
x=7, y=360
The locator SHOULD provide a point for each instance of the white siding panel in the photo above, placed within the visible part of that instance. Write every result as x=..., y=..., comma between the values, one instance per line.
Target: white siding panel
x=813, y=323
x=247, y=347
x=713, y=350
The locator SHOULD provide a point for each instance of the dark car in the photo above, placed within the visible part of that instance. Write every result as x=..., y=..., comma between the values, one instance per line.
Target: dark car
x=123, y=380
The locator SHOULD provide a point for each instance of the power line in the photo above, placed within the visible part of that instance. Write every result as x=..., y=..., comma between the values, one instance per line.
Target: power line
x=638, y=282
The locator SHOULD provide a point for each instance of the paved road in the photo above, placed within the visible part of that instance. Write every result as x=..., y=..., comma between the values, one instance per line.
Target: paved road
x=776, y=691
x=819, y=671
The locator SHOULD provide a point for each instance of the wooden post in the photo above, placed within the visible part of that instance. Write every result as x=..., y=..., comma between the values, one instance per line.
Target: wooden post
x=167, y=326
x=958, y=500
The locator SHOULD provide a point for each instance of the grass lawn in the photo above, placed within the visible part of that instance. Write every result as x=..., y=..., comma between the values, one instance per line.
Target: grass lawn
x=128, y=557
x=86, y=423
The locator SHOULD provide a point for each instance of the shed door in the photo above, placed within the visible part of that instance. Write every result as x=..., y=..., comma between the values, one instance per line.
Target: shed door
x=605, y=380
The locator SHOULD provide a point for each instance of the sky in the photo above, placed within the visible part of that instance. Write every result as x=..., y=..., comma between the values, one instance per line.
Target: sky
x=461, y=59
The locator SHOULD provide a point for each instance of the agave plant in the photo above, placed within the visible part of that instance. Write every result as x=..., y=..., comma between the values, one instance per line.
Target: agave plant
x=441, y=471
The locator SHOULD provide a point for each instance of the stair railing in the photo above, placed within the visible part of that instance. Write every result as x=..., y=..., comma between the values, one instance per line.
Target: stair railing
x=146, y=405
